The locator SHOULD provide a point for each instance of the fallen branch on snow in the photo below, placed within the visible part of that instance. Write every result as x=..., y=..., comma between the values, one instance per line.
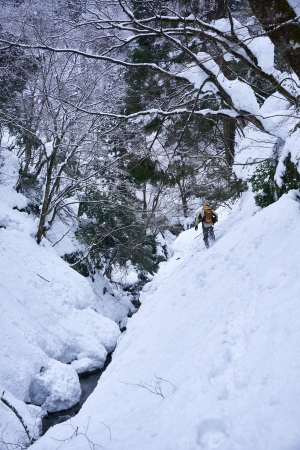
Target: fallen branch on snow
x=155, y=387
x=13, y=409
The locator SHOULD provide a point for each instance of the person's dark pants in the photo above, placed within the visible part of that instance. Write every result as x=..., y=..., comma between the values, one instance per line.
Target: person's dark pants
x=208, y=233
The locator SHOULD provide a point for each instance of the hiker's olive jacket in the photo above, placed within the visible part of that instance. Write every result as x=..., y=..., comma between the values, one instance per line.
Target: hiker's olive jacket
x=200, y=219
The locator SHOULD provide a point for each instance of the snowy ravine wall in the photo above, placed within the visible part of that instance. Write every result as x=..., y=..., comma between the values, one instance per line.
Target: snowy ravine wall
x=212, y=360
x=50, y=328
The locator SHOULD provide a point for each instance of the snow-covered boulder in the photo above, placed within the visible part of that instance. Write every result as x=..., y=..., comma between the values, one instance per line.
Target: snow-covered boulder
x=56, y=387
x=111, y=303
x=81, y=323
x=86, y=364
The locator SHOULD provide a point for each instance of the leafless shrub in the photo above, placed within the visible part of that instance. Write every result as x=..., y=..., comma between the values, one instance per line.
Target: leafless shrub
x=75, y=433
x=155, y=386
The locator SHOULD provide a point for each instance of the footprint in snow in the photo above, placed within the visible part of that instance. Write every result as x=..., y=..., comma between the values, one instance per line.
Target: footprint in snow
x=212, y=434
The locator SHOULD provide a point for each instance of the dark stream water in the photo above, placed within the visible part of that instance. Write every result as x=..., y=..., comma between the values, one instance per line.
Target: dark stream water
x=88, y=382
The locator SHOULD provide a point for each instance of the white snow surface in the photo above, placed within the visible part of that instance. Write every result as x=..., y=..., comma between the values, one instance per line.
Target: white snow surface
x=255, y=146
x=48, y=316
x=47, y=312
x=126, y=276
x=111, y=303
x=45, y=391
x=261, y=46
x=295, y=4
x=251, y=150
x=241, y=94
x=211, y=360
x=13, y=432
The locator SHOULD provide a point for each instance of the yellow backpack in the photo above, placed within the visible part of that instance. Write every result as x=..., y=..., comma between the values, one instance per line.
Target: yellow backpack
x=208, y=216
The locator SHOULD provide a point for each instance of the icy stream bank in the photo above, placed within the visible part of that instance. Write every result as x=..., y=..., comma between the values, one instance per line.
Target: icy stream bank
x=88, y=382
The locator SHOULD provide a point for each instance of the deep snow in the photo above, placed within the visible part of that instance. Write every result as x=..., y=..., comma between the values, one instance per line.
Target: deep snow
x=216, y=339
x=50, y=317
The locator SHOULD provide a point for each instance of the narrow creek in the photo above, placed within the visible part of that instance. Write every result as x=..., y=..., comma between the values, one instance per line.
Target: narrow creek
x=88, y=381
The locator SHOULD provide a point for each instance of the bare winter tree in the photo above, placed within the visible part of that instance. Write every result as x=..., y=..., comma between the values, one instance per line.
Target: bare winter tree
x=212, y=66
x=186, y=36
x=58, y=139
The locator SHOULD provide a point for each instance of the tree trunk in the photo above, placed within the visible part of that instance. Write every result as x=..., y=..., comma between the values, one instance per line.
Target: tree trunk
x=229, y=136
x=183, y=200
x=24, y=172
x=144, y=214
x=47, y=197
x=273, y=14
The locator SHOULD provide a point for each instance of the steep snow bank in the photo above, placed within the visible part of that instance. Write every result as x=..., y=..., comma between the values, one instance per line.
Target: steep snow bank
x=48, y=312
x=211, y=361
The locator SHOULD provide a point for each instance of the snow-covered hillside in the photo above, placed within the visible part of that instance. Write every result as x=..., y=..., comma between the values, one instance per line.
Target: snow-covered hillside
x=212, y=359
x=51, y=328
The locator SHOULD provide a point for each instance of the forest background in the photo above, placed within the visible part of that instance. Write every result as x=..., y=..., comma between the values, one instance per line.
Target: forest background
x=126, y=115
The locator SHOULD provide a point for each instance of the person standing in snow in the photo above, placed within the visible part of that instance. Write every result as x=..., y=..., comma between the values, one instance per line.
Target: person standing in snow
x=208, y=217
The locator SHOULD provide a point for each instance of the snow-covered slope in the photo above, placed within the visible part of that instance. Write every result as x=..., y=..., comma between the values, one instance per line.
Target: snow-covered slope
x=212, y=359
x=48, y=319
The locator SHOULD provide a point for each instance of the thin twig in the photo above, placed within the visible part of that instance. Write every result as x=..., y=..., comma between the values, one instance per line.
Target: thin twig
x=57, y=242
x=42, y=278
x=102, y=423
